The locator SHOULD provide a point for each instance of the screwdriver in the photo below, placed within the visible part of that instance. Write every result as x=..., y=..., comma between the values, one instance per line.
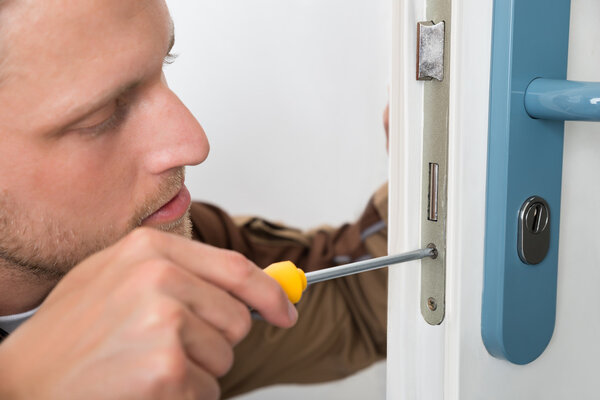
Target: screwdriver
x=294, y=281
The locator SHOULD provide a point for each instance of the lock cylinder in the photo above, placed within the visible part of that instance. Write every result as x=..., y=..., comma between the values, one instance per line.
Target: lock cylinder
x=534, y=230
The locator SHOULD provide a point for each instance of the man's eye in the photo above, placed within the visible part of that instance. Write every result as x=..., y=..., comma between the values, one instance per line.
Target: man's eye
x=103, y=120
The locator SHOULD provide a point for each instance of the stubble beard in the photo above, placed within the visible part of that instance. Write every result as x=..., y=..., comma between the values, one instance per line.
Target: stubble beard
x=33, y=244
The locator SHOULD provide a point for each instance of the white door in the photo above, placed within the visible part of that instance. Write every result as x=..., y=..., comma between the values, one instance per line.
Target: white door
x=450, y=361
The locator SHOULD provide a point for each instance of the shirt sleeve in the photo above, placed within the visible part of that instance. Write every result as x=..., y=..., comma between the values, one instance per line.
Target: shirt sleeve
x=342, y=323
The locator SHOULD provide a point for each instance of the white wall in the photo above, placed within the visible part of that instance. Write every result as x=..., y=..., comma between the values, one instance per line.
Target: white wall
x=291, y=95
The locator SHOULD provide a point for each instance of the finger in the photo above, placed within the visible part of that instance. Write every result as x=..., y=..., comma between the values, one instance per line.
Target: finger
x=218, y=308
x=206, y=347
x=201, y=384
x=244, y=280
x=386, y=119
x=207, y=301
x=229, y=270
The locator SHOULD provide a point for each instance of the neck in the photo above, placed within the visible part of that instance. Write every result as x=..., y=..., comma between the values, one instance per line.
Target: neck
x=21, y=291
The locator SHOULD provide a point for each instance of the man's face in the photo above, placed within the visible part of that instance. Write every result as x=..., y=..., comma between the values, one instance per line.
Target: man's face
x=92, y=141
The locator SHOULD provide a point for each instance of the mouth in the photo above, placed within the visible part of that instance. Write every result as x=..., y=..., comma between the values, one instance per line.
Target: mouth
x=172, y=210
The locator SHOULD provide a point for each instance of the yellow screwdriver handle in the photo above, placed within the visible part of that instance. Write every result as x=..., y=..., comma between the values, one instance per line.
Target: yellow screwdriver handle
x=290, y=277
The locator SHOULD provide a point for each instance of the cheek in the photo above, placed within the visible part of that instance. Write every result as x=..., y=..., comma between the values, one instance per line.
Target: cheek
x=90, y=179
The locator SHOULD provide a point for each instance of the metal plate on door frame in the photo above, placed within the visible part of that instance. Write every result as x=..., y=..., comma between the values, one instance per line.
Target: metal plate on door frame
x=435, y=175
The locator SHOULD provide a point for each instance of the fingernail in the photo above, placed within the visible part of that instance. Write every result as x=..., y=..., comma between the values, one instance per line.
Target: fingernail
x=293, y=313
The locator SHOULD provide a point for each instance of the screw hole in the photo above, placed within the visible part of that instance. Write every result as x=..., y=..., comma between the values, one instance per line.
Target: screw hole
x=431, y=304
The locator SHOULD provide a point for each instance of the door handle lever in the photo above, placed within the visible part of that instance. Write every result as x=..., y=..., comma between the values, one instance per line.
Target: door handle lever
x=563, y=100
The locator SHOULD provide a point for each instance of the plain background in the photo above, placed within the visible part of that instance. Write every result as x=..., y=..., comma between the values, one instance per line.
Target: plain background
x=290, y=94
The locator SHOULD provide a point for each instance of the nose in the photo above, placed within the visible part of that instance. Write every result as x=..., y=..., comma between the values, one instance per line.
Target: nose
x=172, y=136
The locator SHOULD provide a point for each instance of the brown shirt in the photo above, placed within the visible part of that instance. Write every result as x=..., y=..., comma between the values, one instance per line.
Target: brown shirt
x=342, y=323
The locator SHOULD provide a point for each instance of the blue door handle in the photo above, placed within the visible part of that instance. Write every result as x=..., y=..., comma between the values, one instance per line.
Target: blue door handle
x=525, y=150
x=562, y=100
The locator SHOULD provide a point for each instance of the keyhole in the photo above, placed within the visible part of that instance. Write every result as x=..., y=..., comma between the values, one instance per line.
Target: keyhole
x=536, y=218
x=533, y=241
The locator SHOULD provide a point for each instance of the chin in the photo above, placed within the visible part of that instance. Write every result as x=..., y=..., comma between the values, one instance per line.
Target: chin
x=181, y=227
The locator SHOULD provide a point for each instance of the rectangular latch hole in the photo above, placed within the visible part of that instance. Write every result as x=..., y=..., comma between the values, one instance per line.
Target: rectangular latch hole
x=432, y=206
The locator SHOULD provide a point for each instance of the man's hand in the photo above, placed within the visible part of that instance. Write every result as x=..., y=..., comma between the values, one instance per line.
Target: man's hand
x=154, y=316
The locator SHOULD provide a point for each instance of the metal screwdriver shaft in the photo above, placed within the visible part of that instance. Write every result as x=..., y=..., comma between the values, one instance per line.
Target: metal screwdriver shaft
x=368, y=265
x=286, y=272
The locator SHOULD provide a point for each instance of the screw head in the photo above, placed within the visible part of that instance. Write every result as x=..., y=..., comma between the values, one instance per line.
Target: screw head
x=431, y=304
x=435, y=250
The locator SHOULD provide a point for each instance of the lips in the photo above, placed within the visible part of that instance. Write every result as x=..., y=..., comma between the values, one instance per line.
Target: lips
x=171, y=211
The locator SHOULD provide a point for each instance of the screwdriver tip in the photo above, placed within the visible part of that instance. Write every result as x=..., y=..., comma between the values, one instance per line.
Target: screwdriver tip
x=434, y=252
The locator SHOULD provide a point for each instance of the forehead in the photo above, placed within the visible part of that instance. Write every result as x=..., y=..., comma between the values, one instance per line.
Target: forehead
x=57, y=54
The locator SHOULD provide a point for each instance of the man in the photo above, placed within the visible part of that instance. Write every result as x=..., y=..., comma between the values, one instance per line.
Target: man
x=92, y=150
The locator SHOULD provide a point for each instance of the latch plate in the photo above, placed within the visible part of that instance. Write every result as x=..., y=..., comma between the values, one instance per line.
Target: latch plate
x=435, y=158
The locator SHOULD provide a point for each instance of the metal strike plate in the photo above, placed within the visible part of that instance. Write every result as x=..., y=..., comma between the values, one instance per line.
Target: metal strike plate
x=433, y=67
x=534, y=230
x=430, y=50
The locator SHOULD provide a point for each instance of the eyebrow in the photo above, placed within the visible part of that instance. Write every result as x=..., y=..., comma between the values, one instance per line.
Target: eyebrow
x=86, y=109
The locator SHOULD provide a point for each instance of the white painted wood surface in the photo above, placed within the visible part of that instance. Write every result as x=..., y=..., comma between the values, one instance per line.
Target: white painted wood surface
x=409, y=337
x=450, y=362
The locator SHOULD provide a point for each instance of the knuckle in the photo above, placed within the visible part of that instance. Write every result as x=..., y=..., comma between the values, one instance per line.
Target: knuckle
x=241, y=325
x=156, y=273
x=162, y=315
x=239, y=267
x=169, y=370
x=209, y=390
x=171, y=313
x=140, y=238
x=225, y=362
x=152, y=275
